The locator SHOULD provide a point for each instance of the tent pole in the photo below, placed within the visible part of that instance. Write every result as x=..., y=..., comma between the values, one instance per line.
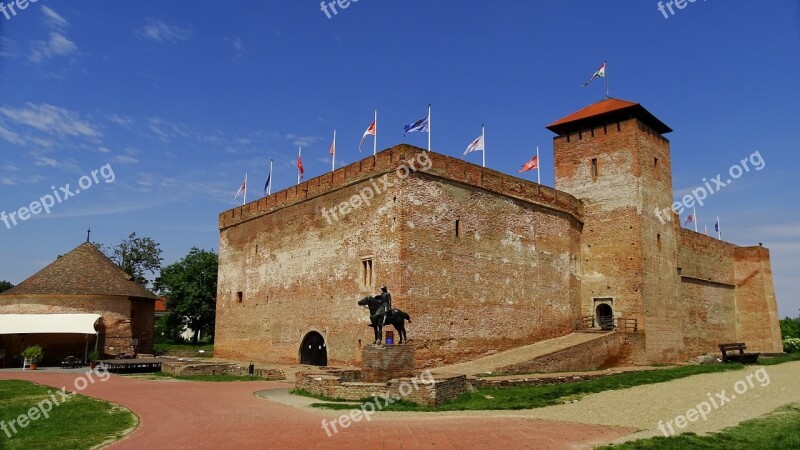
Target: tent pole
x=86, y=351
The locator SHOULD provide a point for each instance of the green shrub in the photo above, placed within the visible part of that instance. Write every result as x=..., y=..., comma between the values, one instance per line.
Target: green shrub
x=33, y=353
x=791, y=345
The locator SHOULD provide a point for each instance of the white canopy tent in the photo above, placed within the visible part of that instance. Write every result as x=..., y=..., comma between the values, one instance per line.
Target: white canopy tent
x=50, y=324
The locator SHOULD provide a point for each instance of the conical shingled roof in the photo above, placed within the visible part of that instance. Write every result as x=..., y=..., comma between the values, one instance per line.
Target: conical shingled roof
x=83, y=271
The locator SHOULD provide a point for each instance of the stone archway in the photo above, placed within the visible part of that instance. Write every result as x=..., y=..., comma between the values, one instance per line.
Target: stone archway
x=313, y=350
x=604, y=315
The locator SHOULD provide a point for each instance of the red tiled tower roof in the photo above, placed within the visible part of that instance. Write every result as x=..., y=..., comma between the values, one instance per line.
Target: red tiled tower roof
x=605, y=111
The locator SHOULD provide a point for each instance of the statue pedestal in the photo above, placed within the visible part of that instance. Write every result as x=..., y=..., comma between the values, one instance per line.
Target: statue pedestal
x=381, y=363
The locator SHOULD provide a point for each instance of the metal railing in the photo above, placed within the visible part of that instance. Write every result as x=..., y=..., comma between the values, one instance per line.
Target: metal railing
x=607, y=324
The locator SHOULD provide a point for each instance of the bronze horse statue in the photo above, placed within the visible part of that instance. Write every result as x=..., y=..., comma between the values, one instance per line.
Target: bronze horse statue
x=395, y=318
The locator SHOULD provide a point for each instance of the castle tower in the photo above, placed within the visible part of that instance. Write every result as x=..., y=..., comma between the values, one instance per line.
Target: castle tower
x=613, y=156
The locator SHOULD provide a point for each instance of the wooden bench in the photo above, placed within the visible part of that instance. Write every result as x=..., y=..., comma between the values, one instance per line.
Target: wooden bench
x=71, y=362
x=742, y=357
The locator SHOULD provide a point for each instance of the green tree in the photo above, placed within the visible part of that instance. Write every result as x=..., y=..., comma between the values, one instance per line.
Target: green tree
x=790, y=328
x=190, y=286
x=139, y=257
x=5, y=285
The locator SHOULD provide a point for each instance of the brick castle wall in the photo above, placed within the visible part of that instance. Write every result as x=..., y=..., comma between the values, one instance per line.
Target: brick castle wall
x=299, y=272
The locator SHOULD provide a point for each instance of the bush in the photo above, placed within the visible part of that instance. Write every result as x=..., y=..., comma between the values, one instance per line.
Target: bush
x=791, y=345
x=33, y=353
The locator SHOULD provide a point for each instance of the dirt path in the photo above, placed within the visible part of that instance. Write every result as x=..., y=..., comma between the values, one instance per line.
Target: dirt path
x=642, y=407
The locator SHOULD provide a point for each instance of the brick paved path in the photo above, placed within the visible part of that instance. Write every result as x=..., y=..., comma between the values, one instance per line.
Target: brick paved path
x=191, y=415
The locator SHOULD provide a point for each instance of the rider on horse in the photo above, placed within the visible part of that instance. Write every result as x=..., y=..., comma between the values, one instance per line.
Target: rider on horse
x=386, y=303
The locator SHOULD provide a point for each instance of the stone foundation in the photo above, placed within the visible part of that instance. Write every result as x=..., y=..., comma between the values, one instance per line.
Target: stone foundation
x=381, y=363
x=190, y=368
x=423, y=389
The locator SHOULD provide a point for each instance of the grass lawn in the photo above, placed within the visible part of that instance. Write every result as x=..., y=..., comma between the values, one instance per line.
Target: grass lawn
x=527, y=397
x=778, y=429
x=213, y=378
x=189, y=347
x=79, y=423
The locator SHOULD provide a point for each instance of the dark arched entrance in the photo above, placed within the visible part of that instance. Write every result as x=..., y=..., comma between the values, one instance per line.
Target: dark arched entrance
x=313, y=350
x=605, y=316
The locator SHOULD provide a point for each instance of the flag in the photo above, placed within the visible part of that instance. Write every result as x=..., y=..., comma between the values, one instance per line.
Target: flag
x=601, y=73
x=689, y=219
x=422, y=125
x=269, y=178
x=300, y=167
x=476, y=145
x=530, y=165
x=332, y=151
x=371, y=130
x=716, y=226
x=243, y=188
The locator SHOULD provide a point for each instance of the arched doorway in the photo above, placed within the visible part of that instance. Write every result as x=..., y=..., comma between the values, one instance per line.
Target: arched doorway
x=313, y=350
x=605, y=316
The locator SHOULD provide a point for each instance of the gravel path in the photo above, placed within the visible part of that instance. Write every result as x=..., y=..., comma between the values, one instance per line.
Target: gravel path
x=642, y=407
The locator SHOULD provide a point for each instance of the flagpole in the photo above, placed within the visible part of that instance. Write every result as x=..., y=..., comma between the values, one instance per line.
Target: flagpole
x=375, y=137
x=333, y=156
x=605, y=63
x=483, y=138
x=244, y=200
x=269, y=186
x=694, y=212
x=719, y=229
x=299, y=153
x=429, y=127
x=538, y=167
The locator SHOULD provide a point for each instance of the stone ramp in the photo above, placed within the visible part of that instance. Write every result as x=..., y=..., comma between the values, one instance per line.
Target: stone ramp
x=506, y=362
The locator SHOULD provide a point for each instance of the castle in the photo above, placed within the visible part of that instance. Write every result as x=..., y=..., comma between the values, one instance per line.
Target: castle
x=484, y=261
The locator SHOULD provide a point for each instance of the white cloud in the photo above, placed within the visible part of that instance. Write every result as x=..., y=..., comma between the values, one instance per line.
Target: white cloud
x=7, y=48
x=166, y=131
x=51, y=119
x=42, y=161
x=122, y=121
x=11, y=136
x=128, y=158
x=304, y=141
x=6, y=181
x=238, y=49
x=58, y=44
x=160, y=31
x=53, y=19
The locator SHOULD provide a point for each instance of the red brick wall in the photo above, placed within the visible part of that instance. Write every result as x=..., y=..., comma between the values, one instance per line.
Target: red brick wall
x=727, y=295
x=757, y=321
x=299, y=273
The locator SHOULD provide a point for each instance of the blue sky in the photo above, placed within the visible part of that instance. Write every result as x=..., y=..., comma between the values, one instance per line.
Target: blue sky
x=182, y=98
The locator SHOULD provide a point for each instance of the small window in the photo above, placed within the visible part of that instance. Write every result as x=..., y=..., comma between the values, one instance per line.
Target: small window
x=366, y=272
x=458, y=228
x=595, y=168
x=658, y=240
x=239, y=297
